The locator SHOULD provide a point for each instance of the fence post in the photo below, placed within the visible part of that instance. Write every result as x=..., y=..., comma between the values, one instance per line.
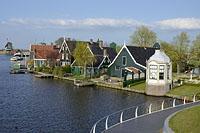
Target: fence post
x=136, y=114
x=150, y=108
x=106, y=125
x=174, y=102
x=162, y=107
x=194, y=98
x=184, y=100
x=94, y=128
x=121, y=117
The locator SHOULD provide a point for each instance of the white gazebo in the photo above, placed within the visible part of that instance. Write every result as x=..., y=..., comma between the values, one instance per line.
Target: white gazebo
x=158, y=73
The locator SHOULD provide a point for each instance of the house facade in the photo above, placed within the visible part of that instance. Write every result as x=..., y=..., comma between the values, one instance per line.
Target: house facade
x=103, y=57
x=66, y=52
x=130, y=62
x=44, y=55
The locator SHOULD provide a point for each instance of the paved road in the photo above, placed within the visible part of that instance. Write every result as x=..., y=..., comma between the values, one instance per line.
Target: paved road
x=147, y=124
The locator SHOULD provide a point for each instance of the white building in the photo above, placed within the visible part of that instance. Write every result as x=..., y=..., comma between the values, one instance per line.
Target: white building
x=159, y=73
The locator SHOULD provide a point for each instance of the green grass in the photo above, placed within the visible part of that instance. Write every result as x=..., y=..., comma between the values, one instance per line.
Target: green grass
x=187, y=121
x=139, y=86
x=186, y=89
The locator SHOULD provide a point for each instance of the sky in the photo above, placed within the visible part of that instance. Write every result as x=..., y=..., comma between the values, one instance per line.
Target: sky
x=25, y=22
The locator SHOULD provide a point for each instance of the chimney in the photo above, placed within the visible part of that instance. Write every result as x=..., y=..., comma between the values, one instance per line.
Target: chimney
x=105, y=53
x=68, y=39
x=101, y=44
x=91, y=41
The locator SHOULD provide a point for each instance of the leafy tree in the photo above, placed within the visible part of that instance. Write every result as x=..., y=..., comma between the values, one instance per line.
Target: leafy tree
x=59, y=41
x=113, y=45
x=83, y=56
x=181, y=42
x=195, y=52
x=118, y=48
x=169, y=49
x=143, y=37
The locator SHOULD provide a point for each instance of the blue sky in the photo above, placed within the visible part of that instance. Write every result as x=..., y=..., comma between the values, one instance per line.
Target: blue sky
x=29, y=21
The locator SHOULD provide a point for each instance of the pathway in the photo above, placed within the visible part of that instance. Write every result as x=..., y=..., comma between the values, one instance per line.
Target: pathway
x=151, y=123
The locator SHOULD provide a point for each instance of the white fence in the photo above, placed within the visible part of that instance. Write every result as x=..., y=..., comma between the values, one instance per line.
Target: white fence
x=137, y=111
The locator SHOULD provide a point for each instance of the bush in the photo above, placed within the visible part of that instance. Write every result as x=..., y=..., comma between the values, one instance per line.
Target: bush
x=66, y=69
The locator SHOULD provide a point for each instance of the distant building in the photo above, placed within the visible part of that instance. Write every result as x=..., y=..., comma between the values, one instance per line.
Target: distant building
x=159, y=73
x=66, y=51
x=45, y=55
x=9, y=46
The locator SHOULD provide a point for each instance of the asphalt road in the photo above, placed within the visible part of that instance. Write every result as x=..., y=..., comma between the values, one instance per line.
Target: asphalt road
x=152, y=123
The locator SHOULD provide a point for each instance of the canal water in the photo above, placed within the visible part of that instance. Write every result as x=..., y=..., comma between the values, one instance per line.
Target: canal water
x=29, y=104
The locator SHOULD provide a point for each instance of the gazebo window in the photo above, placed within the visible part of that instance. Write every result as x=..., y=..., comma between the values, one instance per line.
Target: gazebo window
x=161, y=72
x=168, y=70
x=153, y=71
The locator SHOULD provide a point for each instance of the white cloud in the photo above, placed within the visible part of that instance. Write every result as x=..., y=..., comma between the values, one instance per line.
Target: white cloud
x=72, y=23
x=180, y=23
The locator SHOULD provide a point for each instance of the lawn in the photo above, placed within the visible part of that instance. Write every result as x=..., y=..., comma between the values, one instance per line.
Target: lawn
x=186, y=89
x=139, y=86
x=187, y=121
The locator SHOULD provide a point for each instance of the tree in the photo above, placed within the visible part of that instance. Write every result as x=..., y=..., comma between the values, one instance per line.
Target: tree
x=195, y=52
x=181, y=42
x=143, y=37
x=113, y=45
x=83, y=56
x=169, y=49
x=59, y=41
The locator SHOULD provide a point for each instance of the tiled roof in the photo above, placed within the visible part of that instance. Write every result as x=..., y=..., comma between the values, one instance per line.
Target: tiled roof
x=111, y=53
x=45, y=51
x=71, y=45
x=141, y=54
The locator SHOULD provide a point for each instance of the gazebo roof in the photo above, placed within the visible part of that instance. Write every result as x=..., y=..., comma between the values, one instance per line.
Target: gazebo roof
x=160, y=56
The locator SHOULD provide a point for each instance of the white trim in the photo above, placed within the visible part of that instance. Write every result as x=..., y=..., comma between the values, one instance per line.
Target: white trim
x=39, y=59
x=72, y=63
x=117, y=55
x=90, y=50
x=124, y=46
x=103, y=61
x=64, y=42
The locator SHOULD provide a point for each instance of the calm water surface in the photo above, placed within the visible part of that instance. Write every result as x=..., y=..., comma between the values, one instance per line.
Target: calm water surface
x=29, y=104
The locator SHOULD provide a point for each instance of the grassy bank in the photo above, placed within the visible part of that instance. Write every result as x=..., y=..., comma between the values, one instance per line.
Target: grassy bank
x=187, y=121
x=184, y=90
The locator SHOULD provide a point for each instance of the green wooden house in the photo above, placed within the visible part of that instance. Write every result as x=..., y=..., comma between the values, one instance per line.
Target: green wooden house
x=103, y=57
x=130, y=62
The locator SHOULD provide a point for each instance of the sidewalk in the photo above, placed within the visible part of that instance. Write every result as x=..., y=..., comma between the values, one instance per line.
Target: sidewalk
x=151, y=123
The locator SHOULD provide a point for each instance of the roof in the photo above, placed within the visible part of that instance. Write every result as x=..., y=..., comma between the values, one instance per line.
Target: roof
x=111, y=53
x=160, y=57
x=133, y=70
x=98, y=52
x=45, y=51
x=141, y=54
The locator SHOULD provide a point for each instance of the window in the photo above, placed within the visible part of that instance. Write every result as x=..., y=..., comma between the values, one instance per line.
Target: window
x=161, y=72
x=63, y=56
x=124, y=60
x=168, y=71
x=153, y=72
x=67, y=56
